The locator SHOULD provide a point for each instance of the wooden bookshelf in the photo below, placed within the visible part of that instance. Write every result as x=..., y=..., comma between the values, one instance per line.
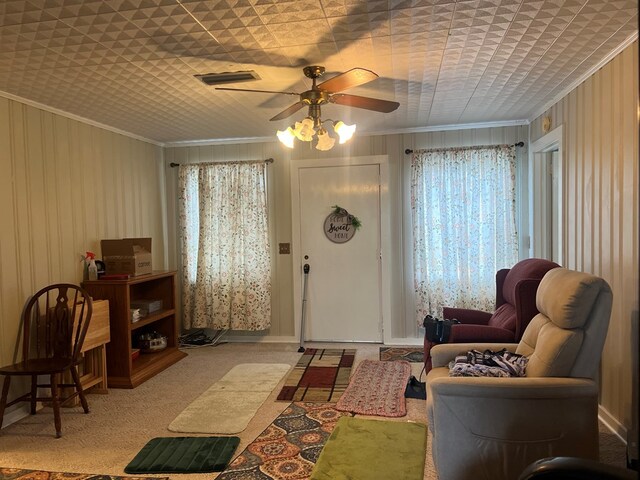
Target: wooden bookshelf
x=122, y=371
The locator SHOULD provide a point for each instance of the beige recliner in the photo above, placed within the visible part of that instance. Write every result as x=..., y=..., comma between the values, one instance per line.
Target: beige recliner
x=492, y=428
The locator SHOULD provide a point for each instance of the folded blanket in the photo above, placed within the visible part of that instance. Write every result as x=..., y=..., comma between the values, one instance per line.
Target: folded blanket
x=488, y=364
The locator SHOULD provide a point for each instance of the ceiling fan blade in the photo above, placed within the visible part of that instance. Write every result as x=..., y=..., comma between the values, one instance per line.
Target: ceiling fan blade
x=256, y=91
x=349, y=79
x=367, y=103
x=288, y=112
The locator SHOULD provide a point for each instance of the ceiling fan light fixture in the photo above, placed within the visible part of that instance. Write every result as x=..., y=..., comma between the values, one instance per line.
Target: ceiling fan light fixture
x=286, y=137
x=304, y=130
x=319, y=94
x=325, y=142
x=344, y=131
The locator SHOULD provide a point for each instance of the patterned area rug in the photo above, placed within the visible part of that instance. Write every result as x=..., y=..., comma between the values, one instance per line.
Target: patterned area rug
x=289, y=447
x=377, y=388
x=410, y=354
x=21, y=474
x=321, y=375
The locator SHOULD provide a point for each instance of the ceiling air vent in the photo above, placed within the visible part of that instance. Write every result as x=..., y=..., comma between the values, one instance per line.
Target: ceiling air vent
x=228, y=77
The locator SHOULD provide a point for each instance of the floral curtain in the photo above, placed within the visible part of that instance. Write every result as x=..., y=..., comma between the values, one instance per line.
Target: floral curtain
x=226, y=265
x=464, y=226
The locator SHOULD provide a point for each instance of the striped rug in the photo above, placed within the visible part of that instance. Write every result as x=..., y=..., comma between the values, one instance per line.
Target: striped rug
x=321, y=375
x=377, y=388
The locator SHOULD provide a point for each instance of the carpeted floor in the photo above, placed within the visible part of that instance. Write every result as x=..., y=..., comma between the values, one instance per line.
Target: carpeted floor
x=123, y=421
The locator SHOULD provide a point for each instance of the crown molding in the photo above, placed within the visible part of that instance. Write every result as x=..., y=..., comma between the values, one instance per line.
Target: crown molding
x=455, y=126
x=219, y=141
x=78, y=118
x=400, y=131
x=628, y=41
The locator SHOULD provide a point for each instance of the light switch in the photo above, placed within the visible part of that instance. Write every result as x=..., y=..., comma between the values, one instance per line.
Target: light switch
x=284, y=248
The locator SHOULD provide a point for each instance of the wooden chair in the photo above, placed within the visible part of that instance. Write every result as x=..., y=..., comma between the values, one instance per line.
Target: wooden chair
x=54, y=321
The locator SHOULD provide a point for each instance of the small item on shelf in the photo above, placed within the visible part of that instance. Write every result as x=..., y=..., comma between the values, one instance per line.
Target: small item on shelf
x=152, y=342
x=135, y=314
x=147, y=307
x=101, y=270
x=135, y=353
x=90, y=268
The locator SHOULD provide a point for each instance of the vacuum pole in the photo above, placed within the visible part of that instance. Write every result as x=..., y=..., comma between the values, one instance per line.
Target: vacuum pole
x=306, y=269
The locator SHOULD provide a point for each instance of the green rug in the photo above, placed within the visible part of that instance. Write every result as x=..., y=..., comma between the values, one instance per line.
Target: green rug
x=373, y=449
x=184, y=455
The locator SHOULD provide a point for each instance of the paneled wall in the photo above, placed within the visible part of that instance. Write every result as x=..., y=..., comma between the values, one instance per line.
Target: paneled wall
x=65, y=185
x=402, y=321
x=600, y=210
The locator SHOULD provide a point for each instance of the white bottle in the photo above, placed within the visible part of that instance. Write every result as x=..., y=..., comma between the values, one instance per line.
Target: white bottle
x=92, y=270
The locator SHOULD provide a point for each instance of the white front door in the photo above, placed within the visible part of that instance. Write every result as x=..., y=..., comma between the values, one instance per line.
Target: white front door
x=344, y=301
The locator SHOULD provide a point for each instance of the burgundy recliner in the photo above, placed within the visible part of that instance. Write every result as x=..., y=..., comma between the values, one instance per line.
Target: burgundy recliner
x=515, y=307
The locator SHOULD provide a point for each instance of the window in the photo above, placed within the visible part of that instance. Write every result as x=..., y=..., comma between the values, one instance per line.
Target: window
x=226, y=265
x=464, y=228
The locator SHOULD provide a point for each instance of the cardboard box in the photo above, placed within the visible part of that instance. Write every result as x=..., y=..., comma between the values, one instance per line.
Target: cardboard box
x=129, y=255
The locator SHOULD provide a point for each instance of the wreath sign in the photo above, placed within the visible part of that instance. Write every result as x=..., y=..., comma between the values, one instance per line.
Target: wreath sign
x=340, y=226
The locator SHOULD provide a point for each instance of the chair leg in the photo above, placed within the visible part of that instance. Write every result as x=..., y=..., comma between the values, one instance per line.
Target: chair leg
x=34, y=393
x=79, y=389
x=55, y=401
x=3, y=399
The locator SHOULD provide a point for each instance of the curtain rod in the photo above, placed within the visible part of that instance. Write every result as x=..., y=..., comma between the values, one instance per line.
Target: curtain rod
x=408, y=150
x=268, y=160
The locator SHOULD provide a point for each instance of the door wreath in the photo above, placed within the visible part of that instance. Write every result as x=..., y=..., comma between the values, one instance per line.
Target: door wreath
x=340, y=226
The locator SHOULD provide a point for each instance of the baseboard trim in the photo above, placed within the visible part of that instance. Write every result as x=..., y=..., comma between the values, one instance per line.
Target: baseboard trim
x=262, y=339
x=612, y=424
x=414, y=342
x=12, y=415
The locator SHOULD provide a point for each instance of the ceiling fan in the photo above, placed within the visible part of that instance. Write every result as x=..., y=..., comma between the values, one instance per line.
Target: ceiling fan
x=321, y=94
x=327, y=92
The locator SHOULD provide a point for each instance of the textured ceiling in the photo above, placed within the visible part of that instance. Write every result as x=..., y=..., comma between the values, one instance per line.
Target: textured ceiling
x=130, y=64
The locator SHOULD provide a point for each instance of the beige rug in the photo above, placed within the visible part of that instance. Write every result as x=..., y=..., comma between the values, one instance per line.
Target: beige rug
x=229, y=404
